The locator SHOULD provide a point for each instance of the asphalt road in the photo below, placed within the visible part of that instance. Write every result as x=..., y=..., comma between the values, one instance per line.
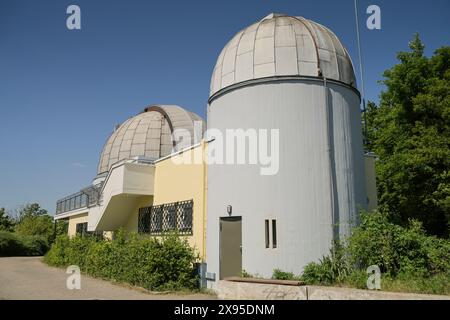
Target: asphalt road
x=28, y=278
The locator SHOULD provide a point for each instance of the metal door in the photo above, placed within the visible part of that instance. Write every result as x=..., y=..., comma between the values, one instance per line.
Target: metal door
x=230, y=247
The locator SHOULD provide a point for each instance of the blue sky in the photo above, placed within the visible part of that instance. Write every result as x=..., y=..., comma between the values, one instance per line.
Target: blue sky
x=62, y=92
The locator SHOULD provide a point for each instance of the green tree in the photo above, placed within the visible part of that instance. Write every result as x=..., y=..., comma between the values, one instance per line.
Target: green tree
x=34, y=221
x=61, y=227
x=6, y=223
x=410, y=133
x=30, y=210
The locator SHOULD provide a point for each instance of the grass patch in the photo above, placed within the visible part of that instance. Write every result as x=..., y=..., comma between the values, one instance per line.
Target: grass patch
x=438, y=284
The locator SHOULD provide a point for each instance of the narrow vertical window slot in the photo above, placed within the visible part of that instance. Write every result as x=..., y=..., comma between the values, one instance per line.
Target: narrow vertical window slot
x=274, y=233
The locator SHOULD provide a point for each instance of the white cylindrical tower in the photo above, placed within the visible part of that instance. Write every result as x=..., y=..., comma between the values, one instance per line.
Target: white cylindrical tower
x=292, y=75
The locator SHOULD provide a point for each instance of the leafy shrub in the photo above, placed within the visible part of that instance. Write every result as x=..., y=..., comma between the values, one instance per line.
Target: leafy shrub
x=408, y=259
x=57, y=255
x=36, y=225
x=333, y=268
x=155, y=264
x=34, y=245
x=317, y=273
x=282, y=275
x=12, y=244
x=245, y=274
x=396, y=249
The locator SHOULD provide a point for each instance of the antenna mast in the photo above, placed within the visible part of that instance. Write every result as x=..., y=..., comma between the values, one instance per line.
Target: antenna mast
x=361, y=70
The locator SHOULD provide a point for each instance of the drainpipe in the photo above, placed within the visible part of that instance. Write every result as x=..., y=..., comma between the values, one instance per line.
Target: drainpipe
x=330, y=162
x=205, y=186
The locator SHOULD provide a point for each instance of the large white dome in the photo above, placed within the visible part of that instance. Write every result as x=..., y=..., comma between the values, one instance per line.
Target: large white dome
x=281, y=45
x=149, y=134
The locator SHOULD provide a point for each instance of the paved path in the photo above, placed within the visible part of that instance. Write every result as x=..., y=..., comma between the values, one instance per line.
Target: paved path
x=29, y=278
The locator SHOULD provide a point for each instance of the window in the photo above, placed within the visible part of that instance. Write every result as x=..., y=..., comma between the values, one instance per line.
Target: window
x=171, y=218
x=267, y=233
x=274, y=233
x=185, y=217
x=156, y=219
x=81, y=228
x=144, y=220
x=176, y=216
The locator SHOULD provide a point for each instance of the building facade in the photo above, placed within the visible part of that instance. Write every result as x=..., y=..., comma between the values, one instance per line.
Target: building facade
x=141, y=185
x=156, y=173
x=293, y=75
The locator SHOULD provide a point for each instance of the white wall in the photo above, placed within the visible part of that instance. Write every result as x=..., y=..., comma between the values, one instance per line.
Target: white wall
x=308, y=187
x=126, y=185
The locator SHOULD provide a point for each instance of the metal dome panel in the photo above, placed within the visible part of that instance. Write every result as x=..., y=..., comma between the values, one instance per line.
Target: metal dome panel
x=149, y=134
x=281, y=45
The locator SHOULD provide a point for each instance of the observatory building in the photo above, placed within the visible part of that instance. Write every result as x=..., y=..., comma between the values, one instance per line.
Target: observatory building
x=294, y=75
x=282, y=74
x=139, y=186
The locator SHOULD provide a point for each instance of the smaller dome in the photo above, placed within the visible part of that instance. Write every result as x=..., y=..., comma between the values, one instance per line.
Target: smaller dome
x=282, y=45
x=149, y=134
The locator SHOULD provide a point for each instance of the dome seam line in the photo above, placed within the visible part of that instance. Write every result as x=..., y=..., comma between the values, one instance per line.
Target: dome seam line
x=128, y=123
x=334, y=47
x=275, y=46
x=313, y=38
x=223, y=60
x=236, y=55
x=254, y=49
x=296, y=45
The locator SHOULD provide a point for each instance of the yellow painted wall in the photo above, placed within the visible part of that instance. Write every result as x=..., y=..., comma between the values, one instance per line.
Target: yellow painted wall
x=178, y=182
x=79, y=218
x=177, y=178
